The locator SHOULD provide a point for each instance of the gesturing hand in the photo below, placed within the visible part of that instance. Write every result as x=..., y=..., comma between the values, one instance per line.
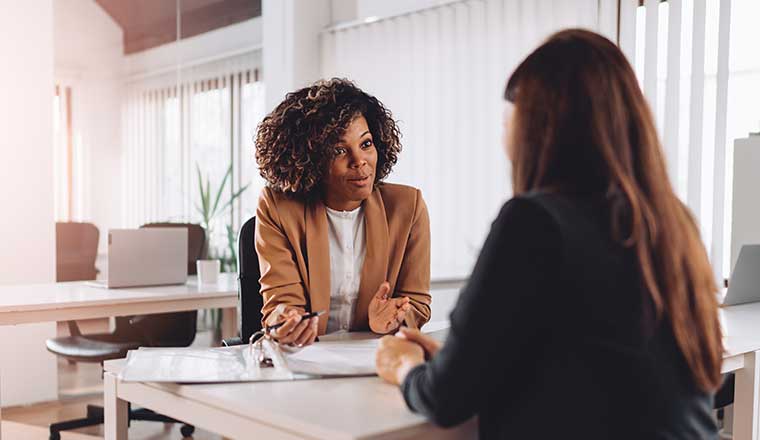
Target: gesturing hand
x=386, y=314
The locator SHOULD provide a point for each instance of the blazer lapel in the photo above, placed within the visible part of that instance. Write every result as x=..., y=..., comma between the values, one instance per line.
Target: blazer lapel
x=375, y=268
x=318, y=256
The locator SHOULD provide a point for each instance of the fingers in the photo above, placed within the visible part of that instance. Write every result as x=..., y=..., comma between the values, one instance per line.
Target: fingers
x=290, y=323
x=291, y=330
x=283, y=312
x=309, y=335
x=383, y=291
x=430, y=345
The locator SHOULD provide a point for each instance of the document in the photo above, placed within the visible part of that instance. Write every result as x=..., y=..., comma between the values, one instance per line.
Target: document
x=239, y=364
x=335, y=355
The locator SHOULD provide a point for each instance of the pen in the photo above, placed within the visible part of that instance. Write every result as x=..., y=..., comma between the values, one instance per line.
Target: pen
x=305, y=316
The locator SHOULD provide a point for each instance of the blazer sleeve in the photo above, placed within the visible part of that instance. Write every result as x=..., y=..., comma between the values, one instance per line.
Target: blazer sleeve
x=498, y=316
x=414, y=273
x=281, y=282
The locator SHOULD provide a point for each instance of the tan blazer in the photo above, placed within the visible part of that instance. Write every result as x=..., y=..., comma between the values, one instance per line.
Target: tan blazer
x=293, y=248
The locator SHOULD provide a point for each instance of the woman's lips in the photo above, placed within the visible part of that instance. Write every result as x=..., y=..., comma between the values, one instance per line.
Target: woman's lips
x=360, y=181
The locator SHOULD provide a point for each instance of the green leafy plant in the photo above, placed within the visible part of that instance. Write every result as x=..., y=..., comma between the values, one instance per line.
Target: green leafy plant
x=210, y=208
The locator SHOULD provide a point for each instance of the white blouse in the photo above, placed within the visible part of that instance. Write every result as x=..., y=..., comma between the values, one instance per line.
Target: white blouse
x=347, y=251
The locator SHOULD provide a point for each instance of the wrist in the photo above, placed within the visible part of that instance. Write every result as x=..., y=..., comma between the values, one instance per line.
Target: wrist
x=407, y=364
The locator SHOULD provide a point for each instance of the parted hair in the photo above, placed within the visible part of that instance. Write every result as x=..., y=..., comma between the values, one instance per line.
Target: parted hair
x=295, y=143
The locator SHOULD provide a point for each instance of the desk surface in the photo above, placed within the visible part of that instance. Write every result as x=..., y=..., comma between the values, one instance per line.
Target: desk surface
x=350, y=408
x=78, y=300
x=29, y=297
x=741, y=328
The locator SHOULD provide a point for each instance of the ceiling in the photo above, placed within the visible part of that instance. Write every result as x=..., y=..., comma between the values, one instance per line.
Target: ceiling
x=151, y=23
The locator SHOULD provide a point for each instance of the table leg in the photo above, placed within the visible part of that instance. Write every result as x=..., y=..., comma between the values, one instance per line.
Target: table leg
x=229, y=323
x=1, y=414
x=116, y=411
x=747, y=398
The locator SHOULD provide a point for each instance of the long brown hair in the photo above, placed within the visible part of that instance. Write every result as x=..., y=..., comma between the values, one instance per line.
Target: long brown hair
x=581, y=124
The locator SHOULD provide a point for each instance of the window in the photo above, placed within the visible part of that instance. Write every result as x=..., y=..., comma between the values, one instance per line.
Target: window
x=204, y=121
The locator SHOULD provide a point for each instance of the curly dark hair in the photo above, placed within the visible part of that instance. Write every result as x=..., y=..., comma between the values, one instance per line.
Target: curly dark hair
x=295, y=143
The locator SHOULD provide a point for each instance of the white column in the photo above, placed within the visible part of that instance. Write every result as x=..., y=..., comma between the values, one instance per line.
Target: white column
x=650, y=65
x=696, y=115
x=292, y=49
x=719, y=188
x=27, y=228
x=672, y=91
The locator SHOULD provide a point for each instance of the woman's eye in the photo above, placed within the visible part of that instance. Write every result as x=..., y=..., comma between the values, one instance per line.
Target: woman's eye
x=367, y=143
x=340, y=151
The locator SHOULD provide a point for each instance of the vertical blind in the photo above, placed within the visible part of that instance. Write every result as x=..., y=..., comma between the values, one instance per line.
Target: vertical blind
x=70, y=159
x=197, y=118
x=684, y=55
x=442, y=71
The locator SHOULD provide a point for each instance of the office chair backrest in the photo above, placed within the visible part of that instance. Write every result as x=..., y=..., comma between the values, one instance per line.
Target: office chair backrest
x=171, y=329
x=76, y=248
x=249, y=289
x=197, y=248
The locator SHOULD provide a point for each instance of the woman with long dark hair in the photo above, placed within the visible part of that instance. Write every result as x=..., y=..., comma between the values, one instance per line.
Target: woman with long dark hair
x=592, y=311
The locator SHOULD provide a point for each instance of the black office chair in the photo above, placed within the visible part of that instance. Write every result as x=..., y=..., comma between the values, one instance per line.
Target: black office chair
x=158, y=330
x=249, y=289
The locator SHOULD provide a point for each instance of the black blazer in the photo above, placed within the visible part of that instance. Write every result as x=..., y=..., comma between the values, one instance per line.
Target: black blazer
x=554, y=338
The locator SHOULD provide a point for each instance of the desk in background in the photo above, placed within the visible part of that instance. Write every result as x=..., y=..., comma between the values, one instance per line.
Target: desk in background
x=24, y=304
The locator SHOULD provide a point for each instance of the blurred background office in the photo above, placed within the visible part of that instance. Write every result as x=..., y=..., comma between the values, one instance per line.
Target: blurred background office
x=120, y=113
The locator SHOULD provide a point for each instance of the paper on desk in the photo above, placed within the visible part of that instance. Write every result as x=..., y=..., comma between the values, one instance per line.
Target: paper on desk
x=335, y=358
x=237, y=364
x=198, y=365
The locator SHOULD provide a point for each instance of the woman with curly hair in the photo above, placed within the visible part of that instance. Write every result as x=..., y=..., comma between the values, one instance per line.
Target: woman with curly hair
x=330, y=235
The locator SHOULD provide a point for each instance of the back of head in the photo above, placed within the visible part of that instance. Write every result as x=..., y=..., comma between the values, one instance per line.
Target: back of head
x=582, y=125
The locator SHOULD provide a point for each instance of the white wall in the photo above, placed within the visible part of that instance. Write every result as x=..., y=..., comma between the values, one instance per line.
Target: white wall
x=27, y=231
x=88, y=58
x=291, y=54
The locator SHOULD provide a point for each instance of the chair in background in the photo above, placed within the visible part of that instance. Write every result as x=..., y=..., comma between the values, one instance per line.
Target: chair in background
x=157, y=330
x=249, y=289
x=76, y=248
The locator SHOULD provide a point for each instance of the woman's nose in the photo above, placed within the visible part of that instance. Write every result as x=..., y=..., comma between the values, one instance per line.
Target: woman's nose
x=358, y=160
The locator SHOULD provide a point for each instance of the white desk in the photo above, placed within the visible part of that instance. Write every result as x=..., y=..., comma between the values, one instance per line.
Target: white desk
x=364, y=408
x=741, y=332
x=353, y=408
x=77, y=300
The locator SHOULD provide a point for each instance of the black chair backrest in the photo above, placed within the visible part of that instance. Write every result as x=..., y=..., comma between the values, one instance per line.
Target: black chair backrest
x=249, y=289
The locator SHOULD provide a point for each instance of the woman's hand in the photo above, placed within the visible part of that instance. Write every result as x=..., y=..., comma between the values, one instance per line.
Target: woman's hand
x=395, y=357
x=295, y=331
x=430, y=345
x=386, y=314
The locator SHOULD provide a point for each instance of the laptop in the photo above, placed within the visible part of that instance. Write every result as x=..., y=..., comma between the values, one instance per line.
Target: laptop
x=744, y=286
x=146, y=257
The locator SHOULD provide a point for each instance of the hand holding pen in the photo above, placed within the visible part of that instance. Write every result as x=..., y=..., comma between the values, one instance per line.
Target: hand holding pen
x=291, y=326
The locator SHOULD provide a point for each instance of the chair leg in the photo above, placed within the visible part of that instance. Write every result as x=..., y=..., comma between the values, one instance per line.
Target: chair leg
x=93, y=419
x=144, y=414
